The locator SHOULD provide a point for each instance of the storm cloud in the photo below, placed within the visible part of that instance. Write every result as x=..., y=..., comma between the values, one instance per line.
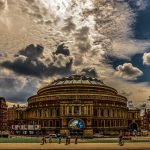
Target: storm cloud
x=89, y=29
x=90, y=72
x=16, y=88
x=62, y=49
x=31, y=61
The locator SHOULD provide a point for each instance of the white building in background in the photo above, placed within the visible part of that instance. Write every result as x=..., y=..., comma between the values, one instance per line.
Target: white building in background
x=26, y=129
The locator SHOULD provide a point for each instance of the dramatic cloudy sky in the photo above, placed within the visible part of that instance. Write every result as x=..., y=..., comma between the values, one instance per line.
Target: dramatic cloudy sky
x=42, y=40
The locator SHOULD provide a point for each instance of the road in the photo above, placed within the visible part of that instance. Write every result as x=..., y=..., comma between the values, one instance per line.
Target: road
x=72, y=146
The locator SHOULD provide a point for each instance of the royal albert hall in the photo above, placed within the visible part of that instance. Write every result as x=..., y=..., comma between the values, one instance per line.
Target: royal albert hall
x=78, y=105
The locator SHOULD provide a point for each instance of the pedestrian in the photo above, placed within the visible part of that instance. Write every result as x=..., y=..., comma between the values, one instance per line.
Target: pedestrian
x=66, y=139
x=50, y=139
x=76, y=140
x=69, y=139
x=43, y=140
x=121, y=143
x=59, y=139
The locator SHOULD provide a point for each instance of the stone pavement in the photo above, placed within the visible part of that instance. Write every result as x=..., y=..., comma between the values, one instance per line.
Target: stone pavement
x=72, y=146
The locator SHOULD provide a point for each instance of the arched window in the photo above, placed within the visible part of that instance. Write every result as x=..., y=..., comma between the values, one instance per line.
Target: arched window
x=102, y=113
x=51, y=112
x=40, y=113
x=76, y=110
x=50, y=123
x=108, y=123
x=95, y=112
x=82, y=110
x=45, y=113
x=102, y=123
x=113, y=113
x=133, y=126
x=45, y=123
x=95, y=123
x=108, y=113
x=70, y=109
x=133, y=115
x=57, y=123
x=57, y=112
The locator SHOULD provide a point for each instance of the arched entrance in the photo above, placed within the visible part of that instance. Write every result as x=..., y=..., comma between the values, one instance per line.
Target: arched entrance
x=133, y=126
x=76, y=127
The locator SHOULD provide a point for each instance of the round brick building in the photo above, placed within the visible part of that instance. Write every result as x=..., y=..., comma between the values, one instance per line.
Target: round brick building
x=78, y=105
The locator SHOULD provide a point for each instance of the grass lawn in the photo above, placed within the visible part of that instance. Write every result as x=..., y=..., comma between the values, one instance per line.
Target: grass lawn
x=38, y=140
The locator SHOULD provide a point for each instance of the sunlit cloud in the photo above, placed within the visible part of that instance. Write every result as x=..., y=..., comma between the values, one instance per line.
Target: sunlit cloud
x=146, y=58
x=90, y=29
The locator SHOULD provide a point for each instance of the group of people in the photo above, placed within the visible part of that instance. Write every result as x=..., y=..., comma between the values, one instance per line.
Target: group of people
x=68, y=139
x=44, y=140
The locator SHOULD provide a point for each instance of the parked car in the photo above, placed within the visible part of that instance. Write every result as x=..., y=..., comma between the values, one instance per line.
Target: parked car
x=4, y=134
x=53, y=135
x=97, y=135
x=144, y=132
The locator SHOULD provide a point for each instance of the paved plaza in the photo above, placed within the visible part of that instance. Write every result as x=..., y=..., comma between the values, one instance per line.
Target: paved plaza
x=137, y=143
x=72, y=146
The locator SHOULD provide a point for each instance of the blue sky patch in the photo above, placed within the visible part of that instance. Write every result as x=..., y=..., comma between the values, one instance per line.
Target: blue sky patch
x=137, y=61
x=141, y=27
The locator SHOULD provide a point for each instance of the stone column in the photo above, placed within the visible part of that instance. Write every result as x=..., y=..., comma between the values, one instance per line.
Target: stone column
x=104, y=123
x=116, y=113
x=105, y=112
x=37, y=113
x=85, y=110
x=111, y=113
x=46, y=112
x=72, y=109
x=79, y=110
x=66, y=109
x=61, y=109
x=91, y=110
x=135, y=115
x=54, y=111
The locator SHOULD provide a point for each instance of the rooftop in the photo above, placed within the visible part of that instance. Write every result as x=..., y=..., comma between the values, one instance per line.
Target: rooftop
x=77, y=79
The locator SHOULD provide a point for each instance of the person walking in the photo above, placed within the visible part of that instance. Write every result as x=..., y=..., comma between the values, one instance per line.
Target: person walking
x=59, y=139
x=69, y=139
x=76, y=140
x=121, y=142
x=43, y=140
x=50, y=139
x=66, y=139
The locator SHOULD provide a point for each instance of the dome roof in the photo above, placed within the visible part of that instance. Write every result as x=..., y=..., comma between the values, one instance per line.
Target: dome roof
x=77, y=79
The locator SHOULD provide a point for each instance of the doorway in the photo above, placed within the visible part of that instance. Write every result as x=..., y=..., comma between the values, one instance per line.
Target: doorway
x=133, y=126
